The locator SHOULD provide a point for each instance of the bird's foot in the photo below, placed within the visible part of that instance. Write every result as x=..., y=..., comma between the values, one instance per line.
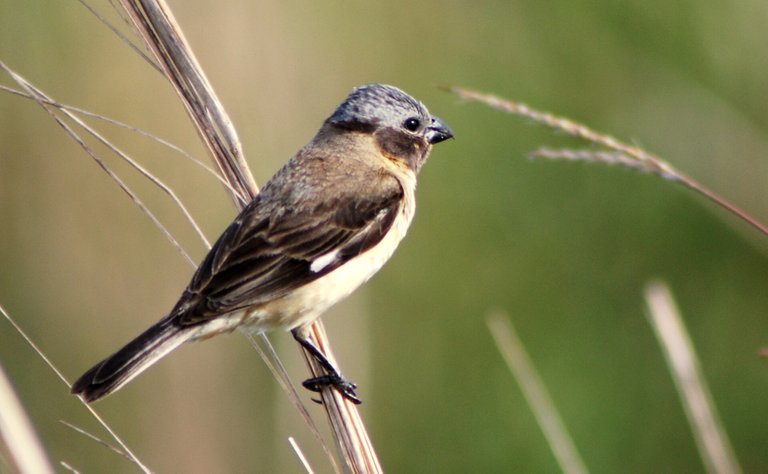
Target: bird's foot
x=332, y=379
x=343, y=386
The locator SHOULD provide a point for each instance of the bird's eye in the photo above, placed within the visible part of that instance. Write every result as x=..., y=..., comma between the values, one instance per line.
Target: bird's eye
x=412, y=124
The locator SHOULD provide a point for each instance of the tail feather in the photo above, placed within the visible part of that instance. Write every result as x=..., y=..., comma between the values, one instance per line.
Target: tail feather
x=122, y=366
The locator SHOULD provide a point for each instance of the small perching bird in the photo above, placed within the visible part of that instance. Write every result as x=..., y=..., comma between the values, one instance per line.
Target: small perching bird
x=321, y=227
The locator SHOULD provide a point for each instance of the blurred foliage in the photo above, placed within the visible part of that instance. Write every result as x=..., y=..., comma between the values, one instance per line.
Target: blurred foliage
x=564, y=248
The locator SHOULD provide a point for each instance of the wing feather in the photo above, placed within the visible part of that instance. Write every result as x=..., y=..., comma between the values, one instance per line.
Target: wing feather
x=268, y=250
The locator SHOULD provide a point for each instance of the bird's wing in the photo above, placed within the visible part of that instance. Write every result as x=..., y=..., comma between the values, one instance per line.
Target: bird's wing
x=264, y=254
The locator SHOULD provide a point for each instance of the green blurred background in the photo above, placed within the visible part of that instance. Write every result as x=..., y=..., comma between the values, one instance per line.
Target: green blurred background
x=565, y=249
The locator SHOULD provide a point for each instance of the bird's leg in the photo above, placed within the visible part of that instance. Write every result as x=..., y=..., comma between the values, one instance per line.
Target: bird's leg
x=333, y=378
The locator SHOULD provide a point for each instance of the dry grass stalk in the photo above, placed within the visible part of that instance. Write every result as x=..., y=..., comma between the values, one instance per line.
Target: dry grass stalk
x=620, y=152
x=349, y=432
x=68, y=467
x=711, y=439
x=264, y=348
x=157, y=26
x=132, y=457
x=79, y=111
x=513, y=351
x=27, y=454
x=162, y=35
x=95, y=438
x=47, y=104
x=300, y=455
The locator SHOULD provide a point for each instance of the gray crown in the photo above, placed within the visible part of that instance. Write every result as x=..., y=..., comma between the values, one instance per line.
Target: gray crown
x=379, y=105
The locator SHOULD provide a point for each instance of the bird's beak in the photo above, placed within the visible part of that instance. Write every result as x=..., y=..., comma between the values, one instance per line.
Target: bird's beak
x=438, y=131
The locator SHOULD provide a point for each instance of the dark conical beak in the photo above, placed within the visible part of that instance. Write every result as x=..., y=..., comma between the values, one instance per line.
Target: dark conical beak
x=438, y=131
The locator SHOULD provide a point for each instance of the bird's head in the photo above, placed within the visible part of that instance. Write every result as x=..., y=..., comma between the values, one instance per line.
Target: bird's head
x=402, y=127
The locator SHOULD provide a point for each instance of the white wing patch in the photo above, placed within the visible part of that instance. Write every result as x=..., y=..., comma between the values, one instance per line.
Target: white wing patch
x=323, y=261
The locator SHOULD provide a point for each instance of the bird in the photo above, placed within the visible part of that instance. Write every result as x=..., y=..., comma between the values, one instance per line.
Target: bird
x=322, y=226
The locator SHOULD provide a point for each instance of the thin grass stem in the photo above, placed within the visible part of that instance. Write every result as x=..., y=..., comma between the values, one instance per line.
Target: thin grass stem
x=511, y=348
x=631, y=156
x=708, y=431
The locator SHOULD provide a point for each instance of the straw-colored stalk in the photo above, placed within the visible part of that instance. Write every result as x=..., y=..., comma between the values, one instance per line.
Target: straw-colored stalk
x=708, y=431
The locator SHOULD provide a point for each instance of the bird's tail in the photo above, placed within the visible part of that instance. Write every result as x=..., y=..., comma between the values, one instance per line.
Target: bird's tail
x=122, y=366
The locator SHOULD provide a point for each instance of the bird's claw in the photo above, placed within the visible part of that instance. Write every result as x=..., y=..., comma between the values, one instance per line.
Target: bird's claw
x=344, y=387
